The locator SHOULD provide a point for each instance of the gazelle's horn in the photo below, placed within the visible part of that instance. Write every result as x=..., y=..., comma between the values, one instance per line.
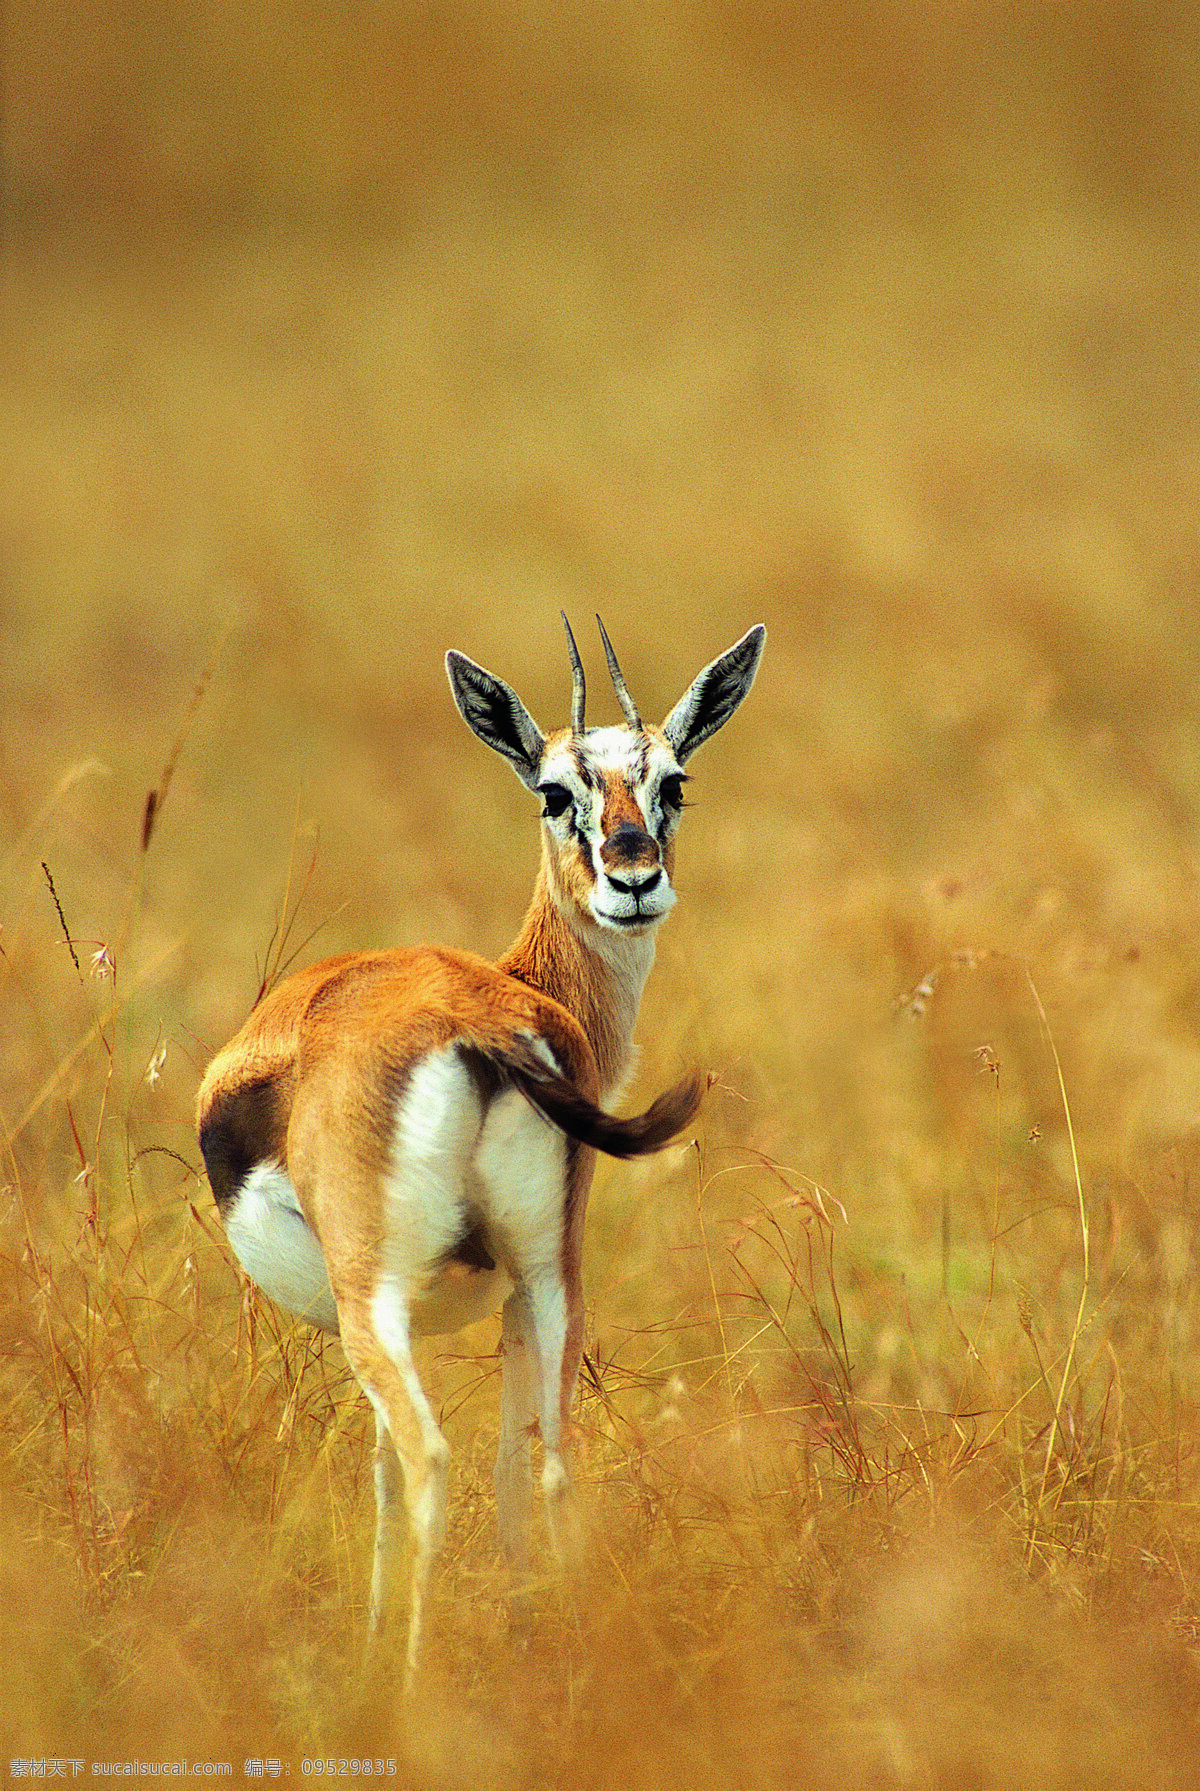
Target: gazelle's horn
x=578, y=686
x=619, y=685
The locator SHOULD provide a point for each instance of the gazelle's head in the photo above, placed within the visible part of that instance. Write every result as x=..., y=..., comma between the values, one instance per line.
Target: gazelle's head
x=611, y=797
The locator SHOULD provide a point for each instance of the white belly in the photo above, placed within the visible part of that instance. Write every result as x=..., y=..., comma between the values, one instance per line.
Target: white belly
x=278, y=1248
x=280, y=1252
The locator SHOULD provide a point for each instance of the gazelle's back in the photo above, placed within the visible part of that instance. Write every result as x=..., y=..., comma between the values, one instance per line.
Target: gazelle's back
x=379, y=1012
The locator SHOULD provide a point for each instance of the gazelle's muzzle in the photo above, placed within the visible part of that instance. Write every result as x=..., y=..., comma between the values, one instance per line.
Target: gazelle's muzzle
x=631, y=853
x=638, y=894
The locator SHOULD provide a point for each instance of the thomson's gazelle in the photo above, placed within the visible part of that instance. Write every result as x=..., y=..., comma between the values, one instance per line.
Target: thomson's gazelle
x=401, y=1141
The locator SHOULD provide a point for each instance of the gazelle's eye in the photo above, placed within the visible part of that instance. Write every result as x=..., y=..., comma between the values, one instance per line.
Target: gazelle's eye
x=557, y=799
x=670, y=790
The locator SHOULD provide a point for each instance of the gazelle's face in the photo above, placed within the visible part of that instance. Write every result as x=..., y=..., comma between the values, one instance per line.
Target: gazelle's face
x=611, y=801
x=611, y=797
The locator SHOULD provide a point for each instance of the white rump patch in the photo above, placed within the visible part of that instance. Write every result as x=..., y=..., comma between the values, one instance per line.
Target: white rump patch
x=433, y=1140
x=521, y=1163
x=434, y=1198
x=278, y=1248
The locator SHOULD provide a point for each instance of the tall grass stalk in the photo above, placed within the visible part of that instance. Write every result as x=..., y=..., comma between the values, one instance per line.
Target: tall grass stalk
x=1056, y=1429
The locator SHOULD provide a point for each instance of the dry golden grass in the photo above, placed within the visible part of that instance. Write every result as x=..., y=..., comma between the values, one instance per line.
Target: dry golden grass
x=333, y=345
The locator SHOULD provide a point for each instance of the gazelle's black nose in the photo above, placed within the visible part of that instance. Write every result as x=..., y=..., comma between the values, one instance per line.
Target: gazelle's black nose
x=630, y=851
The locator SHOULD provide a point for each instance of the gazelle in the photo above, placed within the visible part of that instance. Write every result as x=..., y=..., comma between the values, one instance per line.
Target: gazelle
x=400, y=1142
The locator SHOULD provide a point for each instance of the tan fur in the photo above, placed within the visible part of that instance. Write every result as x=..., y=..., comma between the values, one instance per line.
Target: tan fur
x=372, y=1013
x=550, y=954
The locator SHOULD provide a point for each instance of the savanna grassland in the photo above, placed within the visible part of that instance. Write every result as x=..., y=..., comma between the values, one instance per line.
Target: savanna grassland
x=335, y=338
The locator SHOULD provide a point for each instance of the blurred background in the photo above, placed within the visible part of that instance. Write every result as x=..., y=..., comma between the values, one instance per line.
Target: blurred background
x=337, y=338
x=364, y=332
x=333, y=337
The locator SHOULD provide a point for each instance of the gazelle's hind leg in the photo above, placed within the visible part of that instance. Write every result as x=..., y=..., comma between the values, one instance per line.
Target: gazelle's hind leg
x=554, y=1319
x=537, y=1365
x=520, y=1403
x=377, y=1347
x=526, y=1172
x=541, y=1363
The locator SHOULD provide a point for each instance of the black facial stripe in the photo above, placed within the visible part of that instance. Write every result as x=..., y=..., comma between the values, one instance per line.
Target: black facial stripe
x=586, y=775
x=668, y=823
x=585, y=854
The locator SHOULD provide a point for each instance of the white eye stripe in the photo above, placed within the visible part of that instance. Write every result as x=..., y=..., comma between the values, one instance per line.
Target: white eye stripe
x=612, y=773
x=582, y=811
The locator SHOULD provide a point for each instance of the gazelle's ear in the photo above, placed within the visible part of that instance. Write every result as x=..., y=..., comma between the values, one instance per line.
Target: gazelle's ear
x=497, y=715
x=713, y=696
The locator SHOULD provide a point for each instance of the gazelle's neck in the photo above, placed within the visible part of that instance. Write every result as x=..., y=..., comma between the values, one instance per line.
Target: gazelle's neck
x=597, y=975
